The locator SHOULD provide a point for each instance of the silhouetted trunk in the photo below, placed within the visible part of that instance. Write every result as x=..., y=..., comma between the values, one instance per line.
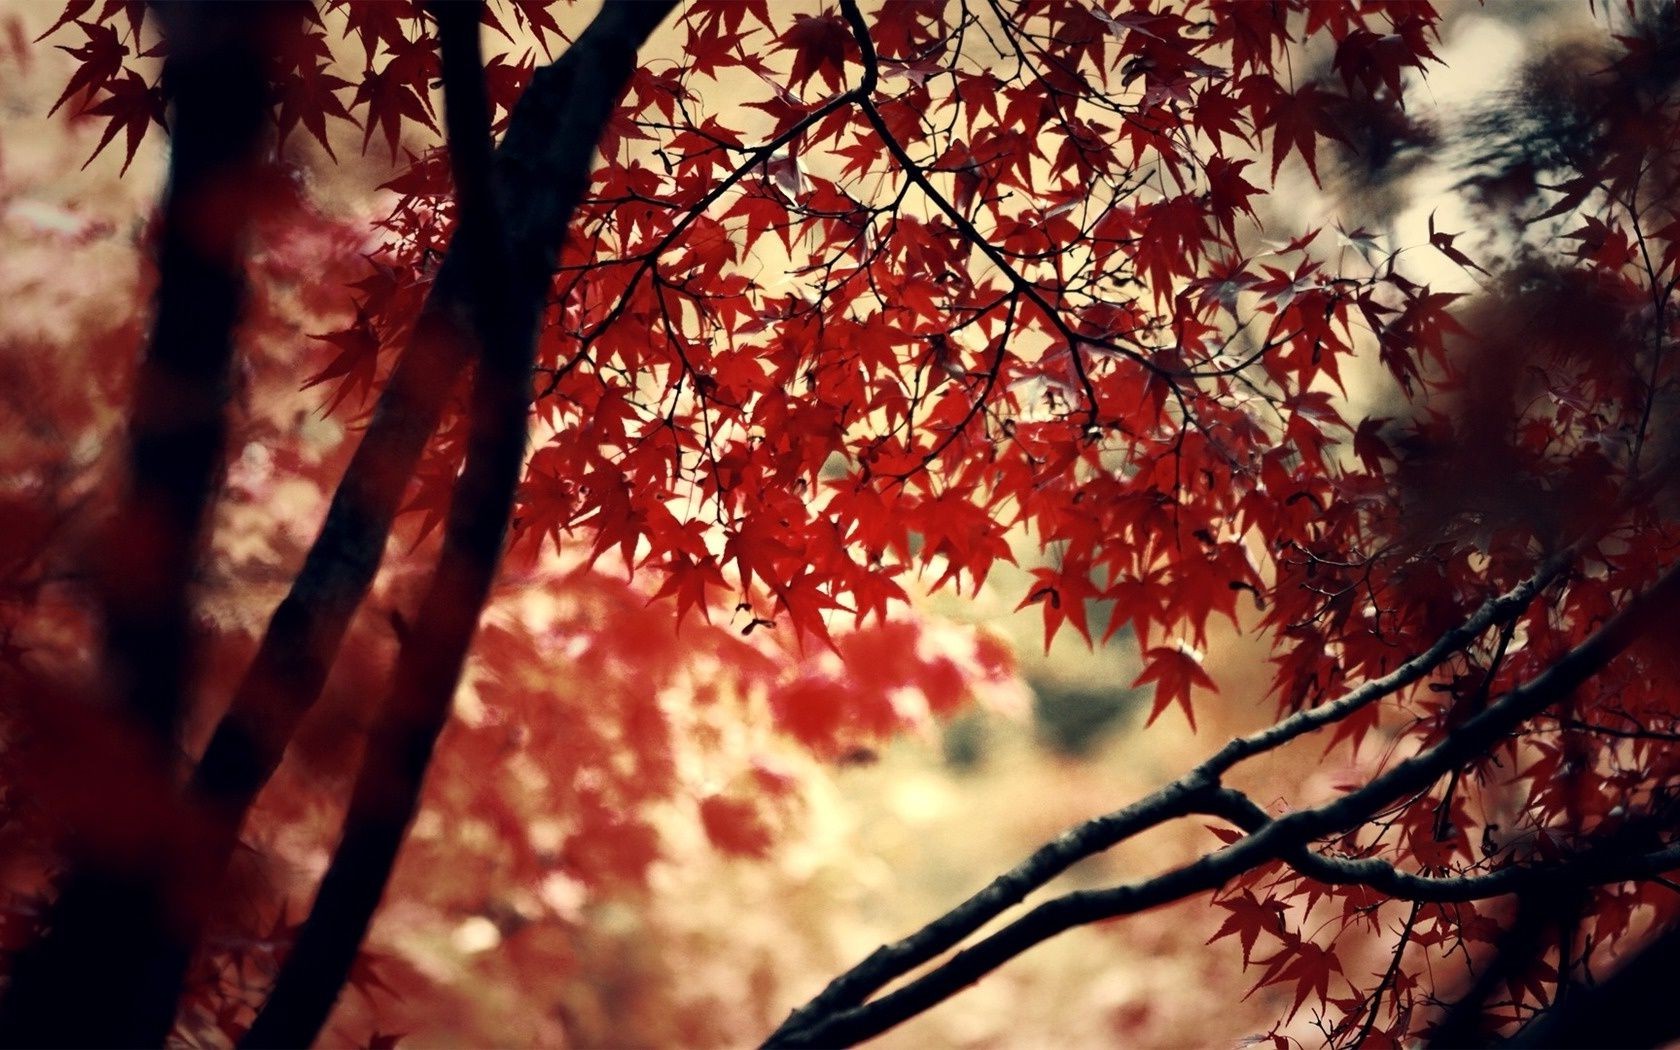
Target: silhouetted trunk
x=543, y=174
x=1630, y=1008
x=115, y=925
x=1464, y=1023
x=509, y=281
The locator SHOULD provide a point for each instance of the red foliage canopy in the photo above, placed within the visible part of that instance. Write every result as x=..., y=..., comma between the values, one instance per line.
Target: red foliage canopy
x=942, y=276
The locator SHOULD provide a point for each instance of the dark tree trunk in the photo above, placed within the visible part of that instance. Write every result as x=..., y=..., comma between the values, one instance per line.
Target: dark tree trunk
x=115, y=926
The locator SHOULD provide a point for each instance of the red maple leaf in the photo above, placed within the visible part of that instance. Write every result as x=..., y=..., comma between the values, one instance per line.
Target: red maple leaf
x=1174, y=671
x=99, y=60
x=819, y=44
x=132, y=106
x=1297, y=121
x=1249, y=917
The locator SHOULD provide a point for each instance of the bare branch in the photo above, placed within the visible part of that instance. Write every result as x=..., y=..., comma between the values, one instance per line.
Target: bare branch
x=1608, y=860
x=1280, y=838
x=1179, y=798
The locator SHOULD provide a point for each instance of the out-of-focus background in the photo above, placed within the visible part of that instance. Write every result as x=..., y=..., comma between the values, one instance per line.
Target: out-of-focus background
x=707, y=948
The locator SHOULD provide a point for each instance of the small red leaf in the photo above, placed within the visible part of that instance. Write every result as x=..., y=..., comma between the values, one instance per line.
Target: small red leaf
x=1174, y=671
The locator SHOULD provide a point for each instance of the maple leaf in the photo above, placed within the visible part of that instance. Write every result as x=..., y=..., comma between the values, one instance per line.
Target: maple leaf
x=99, y=60
x=73, y=10
x=805, y=599
x=536, y=15
x=1378, y=60
x=132, y=106
x=722, y=20
x=1218, y=114
x=505, y=81
x=687, y=579
x=1229, y=193
x=1174, y=670
x=1307, y=964
x=1170, y=242
x=1443, y=242
x=1062, y=594
x=377, y=24
x=397, y=91
x=734, y=826
x=308, y=96
x=1602, y=244
x=1249, y=917
x=1254, y=31
x=1368, y=444
x=819, y=44
x=1297, y=121
x=355, y=364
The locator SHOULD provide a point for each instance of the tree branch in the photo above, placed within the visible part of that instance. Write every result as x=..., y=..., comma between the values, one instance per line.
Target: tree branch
x=1607, y=860
x=1280, y=838
x=541, y=178
x=507, y=306
x=1369, y=1025
x=1178, y=798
